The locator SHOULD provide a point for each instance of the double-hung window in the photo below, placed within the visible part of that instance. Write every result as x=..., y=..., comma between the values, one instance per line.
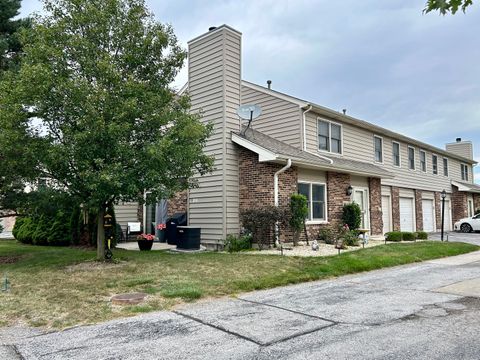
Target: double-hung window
x=464, y=170
x=396, y=153
x=378, y=145
x=315, y=194
x=423, y=161
x=434, y=164
x=329, y=136
x=445, y=166
x=411, y=158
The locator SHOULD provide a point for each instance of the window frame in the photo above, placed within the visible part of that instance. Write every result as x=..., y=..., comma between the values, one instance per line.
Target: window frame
x=310, y=219
x=420, y=158
x=329, y=122
x=375, y=149
x=433, y=163
x=399, y=154
x=464, y=166
x=408, y=156
x=445, y=168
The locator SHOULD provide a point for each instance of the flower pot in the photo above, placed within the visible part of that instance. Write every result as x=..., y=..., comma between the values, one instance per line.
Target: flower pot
x=145, y=245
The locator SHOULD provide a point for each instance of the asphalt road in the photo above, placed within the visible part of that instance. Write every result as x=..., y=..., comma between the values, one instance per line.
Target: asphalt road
x=429, y=310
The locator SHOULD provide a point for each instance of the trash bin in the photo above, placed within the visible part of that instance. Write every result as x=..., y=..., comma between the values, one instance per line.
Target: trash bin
x=188, y=238
x=178, y=219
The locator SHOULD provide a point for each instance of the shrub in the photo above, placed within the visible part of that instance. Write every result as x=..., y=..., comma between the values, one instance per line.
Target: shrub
x=261, y=222
x=352, y=215
x=26, y=230
x=60, y=234
x=235, y=243
x=408, y=236
x=350, y=238
x=422, y=235
x=298, y=214
x=18, y=224
x=393, y=236
x=326, y=235
x=42, y=230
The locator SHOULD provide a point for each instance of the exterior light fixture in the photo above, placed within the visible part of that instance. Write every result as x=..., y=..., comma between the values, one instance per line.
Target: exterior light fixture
x=349, y=190
x=443, y=196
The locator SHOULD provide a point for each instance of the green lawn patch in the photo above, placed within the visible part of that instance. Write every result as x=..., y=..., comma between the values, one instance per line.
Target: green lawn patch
x=61, y=287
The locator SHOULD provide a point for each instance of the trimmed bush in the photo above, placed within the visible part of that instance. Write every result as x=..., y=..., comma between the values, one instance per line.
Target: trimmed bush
x=352, y=215
x=235, y=243
x=422, y=235
x=408, y=236
x=393, y=236
x=26, y=231
x=326, y=235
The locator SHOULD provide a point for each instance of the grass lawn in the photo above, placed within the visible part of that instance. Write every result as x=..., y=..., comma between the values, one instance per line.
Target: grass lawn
x=61, y=287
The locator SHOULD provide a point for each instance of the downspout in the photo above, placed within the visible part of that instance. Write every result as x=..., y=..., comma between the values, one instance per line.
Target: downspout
x=304, y=119
x=275, y=192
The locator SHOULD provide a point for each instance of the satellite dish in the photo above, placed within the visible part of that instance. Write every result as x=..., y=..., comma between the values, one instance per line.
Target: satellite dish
x=249, y=111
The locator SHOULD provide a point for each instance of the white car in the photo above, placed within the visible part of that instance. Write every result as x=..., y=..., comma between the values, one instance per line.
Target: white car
x=468, y=224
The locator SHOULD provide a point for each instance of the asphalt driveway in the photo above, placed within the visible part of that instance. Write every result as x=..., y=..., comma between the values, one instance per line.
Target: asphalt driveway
x=429, y=310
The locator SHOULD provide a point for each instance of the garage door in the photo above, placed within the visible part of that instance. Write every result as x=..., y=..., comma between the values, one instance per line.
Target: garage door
x=406, y=214
x=386, y=214
x=428, y=216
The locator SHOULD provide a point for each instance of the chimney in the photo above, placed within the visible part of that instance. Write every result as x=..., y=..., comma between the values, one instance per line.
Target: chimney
x=214, y=84
x=461, y=148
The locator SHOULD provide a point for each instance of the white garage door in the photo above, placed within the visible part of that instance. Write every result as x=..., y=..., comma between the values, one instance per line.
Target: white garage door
x=406, y=214
x=428, y=215
x=386, y=214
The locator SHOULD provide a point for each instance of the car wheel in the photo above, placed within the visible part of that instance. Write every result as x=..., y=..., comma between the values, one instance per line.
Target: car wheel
x=465, y=228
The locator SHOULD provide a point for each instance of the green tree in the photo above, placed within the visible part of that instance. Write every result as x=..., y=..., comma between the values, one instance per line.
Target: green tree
x=447, y=6
x=94, y=102
x=10, y=45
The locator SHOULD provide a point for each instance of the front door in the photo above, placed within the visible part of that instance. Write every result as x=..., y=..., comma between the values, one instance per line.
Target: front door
x=386, y=214
x=360, y=196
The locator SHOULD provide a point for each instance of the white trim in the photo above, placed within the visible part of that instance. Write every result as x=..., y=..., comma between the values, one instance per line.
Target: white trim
x=375, y=150
x=311, y=220
x=433, y=154
x=408, y=157
x=330, y=122
x=390, y=208
x=281, y=96
x=420, y=151
x=367, y=202
x=448, y=167
x=263, y=154
x=399, y=154
x=462, y=165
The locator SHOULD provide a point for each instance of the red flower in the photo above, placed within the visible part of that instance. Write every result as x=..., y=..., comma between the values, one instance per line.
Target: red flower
x=148, y=237
x=161, y=226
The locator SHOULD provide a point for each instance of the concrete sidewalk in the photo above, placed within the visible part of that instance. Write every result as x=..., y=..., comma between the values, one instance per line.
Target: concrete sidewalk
x=429, y=310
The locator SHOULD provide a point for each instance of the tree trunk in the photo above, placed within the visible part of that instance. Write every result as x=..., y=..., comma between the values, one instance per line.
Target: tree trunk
x=100, y=235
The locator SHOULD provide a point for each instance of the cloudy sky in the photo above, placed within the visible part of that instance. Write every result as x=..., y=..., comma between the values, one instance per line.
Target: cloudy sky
x=384, y=61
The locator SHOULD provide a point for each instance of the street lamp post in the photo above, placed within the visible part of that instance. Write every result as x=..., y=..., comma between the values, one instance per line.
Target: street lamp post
x=443, y=195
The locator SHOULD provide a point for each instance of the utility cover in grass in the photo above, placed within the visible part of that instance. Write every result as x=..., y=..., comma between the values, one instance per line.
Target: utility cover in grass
x=128, y=299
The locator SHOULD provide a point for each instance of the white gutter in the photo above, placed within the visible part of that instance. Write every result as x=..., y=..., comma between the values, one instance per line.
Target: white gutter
x=275, y=179
x=310, y=107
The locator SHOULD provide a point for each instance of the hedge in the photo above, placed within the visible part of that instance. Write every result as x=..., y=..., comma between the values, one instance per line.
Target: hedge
x=393, y=236
x=405, y=236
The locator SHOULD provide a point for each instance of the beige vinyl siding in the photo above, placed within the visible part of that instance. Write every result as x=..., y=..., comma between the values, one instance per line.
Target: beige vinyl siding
x=214, y=88
x=358, y=144
x=280, y=118
x=310, y=175
x=126, y=212
x=464, y=149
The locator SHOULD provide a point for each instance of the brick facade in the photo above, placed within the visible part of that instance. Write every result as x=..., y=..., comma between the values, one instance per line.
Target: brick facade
x=178, y=203
x=459, y=204
x=418, y=210
x=476, y=203
x=375, y=193
x=396, y=208
x=438, y=209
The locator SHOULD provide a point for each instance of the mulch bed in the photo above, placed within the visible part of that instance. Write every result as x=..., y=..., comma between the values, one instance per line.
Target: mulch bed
x=9, y=259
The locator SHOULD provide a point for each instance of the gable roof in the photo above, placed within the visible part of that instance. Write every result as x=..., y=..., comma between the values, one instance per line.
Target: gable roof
x=333, y=114
x=273, y=150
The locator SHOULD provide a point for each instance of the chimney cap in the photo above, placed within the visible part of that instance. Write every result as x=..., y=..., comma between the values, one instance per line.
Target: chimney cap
x=211, y=28
x=458, y=139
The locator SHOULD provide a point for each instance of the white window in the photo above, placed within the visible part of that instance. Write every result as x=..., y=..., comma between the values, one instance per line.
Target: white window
x=378, y=145
x=423, y=161
x=396, y=153
x=445, y=166
x=329, y=136
x=435, y=164
x=315, y=194
x=464, y=171
x=411, y=158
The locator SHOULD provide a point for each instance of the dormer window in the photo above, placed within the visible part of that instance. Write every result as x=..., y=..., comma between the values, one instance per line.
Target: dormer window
x=329, y=136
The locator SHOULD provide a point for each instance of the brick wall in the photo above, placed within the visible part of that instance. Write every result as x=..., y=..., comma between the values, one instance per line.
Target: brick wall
x=438, y=209
x=476, y=202
x=178, y=203
x=396, y=208
x=418, y=210
x=459, y=204
x=375, y=193
x=337, y=184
